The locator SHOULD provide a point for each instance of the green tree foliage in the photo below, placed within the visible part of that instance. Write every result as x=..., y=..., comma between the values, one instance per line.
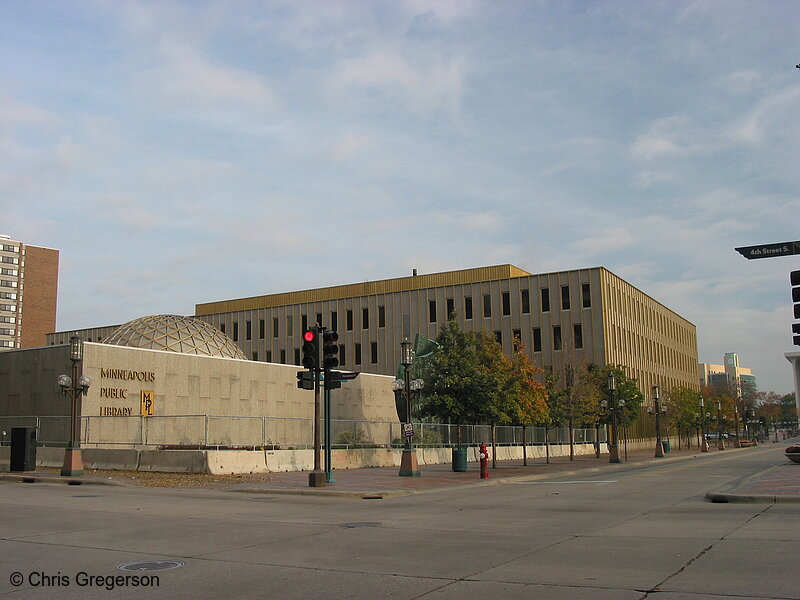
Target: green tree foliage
x=719, y=395
x=454, y=383
x=497, y=382
x=576, y=398
x=684, y=409
x=627, y=395
x=469, y=379
x=776, y=408
x=788, y=407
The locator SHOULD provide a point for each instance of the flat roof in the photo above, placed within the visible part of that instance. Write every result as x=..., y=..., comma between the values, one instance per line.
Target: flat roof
x=367, y=288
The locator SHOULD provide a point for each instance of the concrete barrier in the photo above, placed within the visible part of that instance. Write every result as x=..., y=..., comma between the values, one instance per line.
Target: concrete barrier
x=114, y=459
x=225, y=462
x=357, y=458
x=173, y=461
x=434, y=456
x=289, y=460
x=48, y=456
x=265, y=461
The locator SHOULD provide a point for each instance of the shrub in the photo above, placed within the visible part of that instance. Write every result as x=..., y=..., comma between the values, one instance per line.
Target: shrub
x=351, y=437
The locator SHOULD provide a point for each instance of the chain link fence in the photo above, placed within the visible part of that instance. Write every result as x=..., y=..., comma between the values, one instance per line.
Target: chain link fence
x=224, y=431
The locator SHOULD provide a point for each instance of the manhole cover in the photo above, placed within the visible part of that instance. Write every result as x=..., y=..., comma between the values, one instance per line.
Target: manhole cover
x=152, y=565
x=361, y=524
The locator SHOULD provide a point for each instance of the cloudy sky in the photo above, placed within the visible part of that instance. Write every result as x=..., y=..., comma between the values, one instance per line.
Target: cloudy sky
x=184, y=152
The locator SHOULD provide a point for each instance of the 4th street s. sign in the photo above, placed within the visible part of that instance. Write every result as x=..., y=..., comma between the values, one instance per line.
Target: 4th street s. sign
x=769, y=250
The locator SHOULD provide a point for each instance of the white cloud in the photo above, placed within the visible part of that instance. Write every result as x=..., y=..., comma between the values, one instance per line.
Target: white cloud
x=434, y=85
x=775, y=115
x=670, y=137
x=608, y=240
x=15, y=113
x=187, y=79
x=743, y=82
x=445, y=11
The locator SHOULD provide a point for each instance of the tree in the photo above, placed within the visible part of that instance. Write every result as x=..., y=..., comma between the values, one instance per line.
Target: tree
x=684, y=412
x=453, y=380
x=577, y=401
x=788, y=407
x=627, y=396
x=496, y=384
x=529, y=397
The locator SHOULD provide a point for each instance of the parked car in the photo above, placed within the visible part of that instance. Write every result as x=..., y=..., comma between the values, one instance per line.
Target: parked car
x=713, y=435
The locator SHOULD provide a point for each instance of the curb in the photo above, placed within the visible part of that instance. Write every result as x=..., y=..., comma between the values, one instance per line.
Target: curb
x=726, y=493
x=31, y=478
x=395, y=493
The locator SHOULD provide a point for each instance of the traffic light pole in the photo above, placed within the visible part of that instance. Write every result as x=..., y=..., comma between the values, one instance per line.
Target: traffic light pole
x=328, y=439
x=317, y=477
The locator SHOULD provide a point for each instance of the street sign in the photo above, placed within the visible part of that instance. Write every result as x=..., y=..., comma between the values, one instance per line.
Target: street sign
x=408, y=430
x=769, y=250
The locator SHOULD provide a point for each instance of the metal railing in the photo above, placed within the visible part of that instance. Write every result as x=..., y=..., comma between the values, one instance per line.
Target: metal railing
x=225, y=431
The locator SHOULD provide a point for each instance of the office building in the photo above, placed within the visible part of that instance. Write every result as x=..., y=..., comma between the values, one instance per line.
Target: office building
x=589, y=313
x=732, y=375
x=28, y=293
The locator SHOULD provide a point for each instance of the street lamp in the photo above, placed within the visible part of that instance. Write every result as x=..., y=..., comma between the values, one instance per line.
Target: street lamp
x=737, y=443
x=613, y=446
x=704, y=443
x=409, y=467
x=74, y=387
x=659, y=443
x=719, y=426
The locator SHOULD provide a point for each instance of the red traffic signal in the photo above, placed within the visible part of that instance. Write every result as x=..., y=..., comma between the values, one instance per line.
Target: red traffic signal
x=311, y=349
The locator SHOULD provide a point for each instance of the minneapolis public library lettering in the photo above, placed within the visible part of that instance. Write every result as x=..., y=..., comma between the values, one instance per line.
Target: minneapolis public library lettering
x=146, y=376
x=146, y=397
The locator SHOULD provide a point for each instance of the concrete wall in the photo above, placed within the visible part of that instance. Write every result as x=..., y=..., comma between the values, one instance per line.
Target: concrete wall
x=178, y=385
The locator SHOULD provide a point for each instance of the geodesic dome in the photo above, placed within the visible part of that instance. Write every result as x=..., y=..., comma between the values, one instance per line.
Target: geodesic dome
x=174, y=333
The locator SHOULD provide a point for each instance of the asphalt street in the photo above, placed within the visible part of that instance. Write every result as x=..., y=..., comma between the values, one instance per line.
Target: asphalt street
x=616, y=532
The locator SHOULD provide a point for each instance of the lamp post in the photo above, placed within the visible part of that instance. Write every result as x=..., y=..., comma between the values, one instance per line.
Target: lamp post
x=74, y=387
x=409, y=467
x=659, y=443
x=704, y=443
x=737, y=443
x=613, y=446
x=719, y=426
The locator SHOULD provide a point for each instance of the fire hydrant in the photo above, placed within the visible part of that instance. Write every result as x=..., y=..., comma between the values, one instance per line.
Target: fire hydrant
x=484, y=462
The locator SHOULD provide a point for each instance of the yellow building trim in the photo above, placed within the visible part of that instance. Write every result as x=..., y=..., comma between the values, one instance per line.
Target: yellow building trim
x=368, y=288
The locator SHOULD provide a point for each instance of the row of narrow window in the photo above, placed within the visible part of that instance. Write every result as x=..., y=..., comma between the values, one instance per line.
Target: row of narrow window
x=577, y=338
x=586, y=302
x=357, y=355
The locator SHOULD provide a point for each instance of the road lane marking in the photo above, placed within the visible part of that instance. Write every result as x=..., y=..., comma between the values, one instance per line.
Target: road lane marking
x=561, y=482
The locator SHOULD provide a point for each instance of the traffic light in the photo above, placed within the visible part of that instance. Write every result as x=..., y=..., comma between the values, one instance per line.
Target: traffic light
x=311, y=349
x=305, y=380
x=795, y=279
x=330, y=349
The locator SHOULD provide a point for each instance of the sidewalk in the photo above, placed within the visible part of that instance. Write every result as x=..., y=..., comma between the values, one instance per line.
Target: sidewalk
x=780, y=483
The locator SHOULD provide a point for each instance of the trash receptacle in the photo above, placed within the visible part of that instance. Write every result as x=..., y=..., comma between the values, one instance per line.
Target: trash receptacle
x=459, y=460
x=23, y=449
x=665, y=445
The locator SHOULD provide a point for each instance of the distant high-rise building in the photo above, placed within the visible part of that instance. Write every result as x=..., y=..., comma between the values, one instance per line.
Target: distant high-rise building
x=737, y=378
x=28, y=293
